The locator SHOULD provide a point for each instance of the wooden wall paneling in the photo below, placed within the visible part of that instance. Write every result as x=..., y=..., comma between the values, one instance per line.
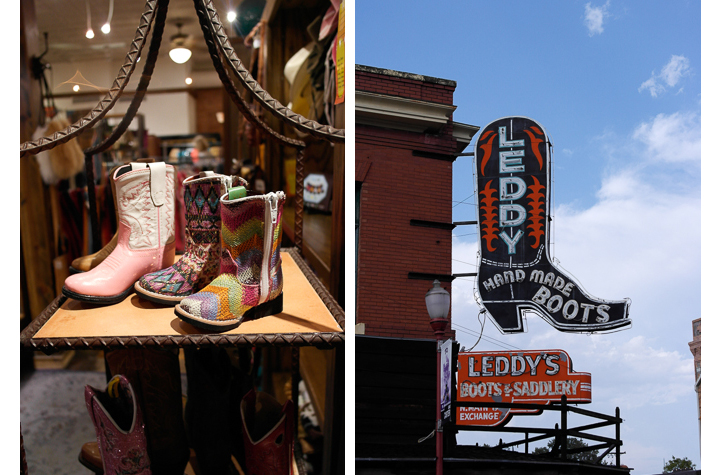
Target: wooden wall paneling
x=337, y=242
x=207, y=103
x=35, y=222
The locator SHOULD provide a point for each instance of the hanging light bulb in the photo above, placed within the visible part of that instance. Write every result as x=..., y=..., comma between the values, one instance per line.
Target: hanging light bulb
x=179, y=52
x=89, y=31
x=106, y=29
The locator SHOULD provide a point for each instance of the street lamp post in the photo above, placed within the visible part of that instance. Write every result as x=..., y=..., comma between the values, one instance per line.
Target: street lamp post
x=438, y=301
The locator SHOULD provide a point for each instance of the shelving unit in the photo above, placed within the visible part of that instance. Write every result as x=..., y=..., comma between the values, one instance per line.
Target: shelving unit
x=311, y=317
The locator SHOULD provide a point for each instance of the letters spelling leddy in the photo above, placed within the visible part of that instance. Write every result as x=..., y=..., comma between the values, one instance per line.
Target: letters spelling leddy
x=538, y=376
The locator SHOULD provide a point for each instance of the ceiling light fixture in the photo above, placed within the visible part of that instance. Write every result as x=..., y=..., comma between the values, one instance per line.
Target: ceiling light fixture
x=76, y=88
x=231, y=16
x=188, y=81
x=179, y=51
x=89, y=31
x=106, y=29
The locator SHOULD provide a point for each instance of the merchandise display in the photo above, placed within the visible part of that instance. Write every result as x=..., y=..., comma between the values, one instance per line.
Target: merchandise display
x=199, y=265
x=203, y=363
x=145, y=197
x=250, y=283
x=120, y=431
x=268, y=432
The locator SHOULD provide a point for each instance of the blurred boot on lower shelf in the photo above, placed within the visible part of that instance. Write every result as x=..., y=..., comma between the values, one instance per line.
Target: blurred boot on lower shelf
x=90, y=457
x=155, y=376
x=268, y=432
x=215, y=386
x=120, y=431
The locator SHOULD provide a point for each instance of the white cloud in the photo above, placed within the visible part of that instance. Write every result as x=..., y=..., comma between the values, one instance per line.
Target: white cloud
x=594, y=18
x=671, y=138
x=677, y=68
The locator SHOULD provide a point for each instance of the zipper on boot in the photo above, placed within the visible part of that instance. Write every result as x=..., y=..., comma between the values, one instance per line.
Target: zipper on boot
x=270, y=218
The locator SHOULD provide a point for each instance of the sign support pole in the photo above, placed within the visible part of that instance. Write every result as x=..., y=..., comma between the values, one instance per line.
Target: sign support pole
x=439, y=428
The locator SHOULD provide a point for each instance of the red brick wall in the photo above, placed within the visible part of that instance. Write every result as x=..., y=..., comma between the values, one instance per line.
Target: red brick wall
x=398, y=187
x=403, y=87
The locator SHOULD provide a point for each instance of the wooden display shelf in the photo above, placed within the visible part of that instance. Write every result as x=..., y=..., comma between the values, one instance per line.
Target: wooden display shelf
x=310, y=317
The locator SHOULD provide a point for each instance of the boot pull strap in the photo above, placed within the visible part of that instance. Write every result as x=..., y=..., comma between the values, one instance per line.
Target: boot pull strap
x=157, y=182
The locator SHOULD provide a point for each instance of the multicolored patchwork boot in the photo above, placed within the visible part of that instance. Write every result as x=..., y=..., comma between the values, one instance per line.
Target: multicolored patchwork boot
x=120, y=431
x=516, y=276
x=199, y=265
x=250, y=283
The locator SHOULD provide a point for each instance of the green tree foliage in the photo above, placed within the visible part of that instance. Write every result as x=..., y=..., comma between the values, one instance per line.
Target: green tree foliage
x=573, y=443
x=676, y=464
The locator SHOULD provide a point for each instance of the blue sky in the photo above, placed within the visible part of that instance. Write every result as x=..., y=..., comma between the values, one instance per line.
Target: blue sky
x=616, y=84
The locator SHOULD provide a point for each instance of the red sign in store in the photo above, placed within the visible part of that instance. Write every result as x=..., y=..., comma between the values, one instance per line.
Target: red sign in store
x=532, y=376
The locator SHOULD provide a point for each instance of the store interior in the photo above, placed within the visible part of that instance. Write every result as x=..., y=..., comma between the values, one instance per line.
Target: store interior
x=188, y=119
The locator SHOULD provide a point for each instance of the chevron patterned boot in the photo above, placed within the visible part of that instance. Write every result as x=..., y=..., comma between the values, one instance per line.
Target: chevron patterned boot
x=250, y=283
x=199, y=265
x=145, y=196
x=516, y=276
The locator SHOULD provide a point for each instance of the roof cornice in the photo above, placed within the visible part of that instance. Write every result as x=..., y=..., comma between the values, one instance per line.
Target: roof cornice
x=400, y=113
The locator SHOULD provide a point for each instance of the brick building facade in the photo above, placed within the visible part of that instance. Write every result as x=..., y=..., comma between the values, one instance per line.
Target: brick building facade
x=405, y=145
x=695, y=350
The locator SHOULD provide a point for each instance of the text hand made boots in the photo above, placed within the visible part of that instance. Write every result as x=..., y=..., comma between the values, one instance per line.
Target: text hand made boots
x=268, y=433
x=199, y=265
x=145, y=197
x=250, y=283
x=120, y=432
x=516, y=275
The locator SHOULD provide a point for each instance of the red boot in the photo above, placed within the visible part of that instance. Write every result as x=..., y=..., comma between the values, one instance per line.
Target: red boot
x=267, y=429
x=119, y=427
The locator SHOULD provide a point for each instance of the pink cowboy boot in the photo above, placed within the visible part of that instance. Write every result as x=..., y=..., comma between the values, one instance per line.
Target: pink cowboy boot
x=145, y=198
x=199, y=265
x=120, y=432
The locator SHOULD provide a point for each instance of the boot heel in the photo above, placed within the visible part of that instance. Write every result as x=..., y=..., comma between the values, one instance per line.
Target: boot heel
x=272, y=307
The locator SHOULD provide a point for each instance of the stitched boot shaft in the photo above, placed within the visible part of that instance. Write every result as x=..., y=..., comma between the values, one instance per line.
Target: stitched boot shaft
x=145, y=198
x=120, y=431
x=250, y=283
x=268, y=433
x=199, y=265
x=516, y=274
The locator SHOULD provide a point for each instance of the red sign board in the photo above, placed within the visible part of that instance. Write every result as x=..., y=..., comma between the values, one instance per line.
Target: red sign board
x=532, y=376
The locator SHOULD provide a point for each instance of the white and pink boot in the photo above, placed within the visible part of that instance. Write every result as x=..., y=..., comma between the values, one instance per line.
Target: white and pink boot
x=145, y=198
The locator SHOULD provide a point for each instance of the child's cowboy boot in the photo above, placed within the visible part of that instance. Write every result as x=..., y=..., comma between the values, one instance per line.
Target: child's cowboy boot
x=120, y=432
x=199, y=265
x=250, y=283
x=86, y=263
x=268, y=433
x=145, y=197
x=516, y=275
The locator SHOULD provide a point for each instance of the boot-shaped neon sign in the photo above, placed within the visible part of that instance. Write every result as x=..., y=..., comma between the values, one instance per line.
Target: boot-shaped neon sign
x=516, y=275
